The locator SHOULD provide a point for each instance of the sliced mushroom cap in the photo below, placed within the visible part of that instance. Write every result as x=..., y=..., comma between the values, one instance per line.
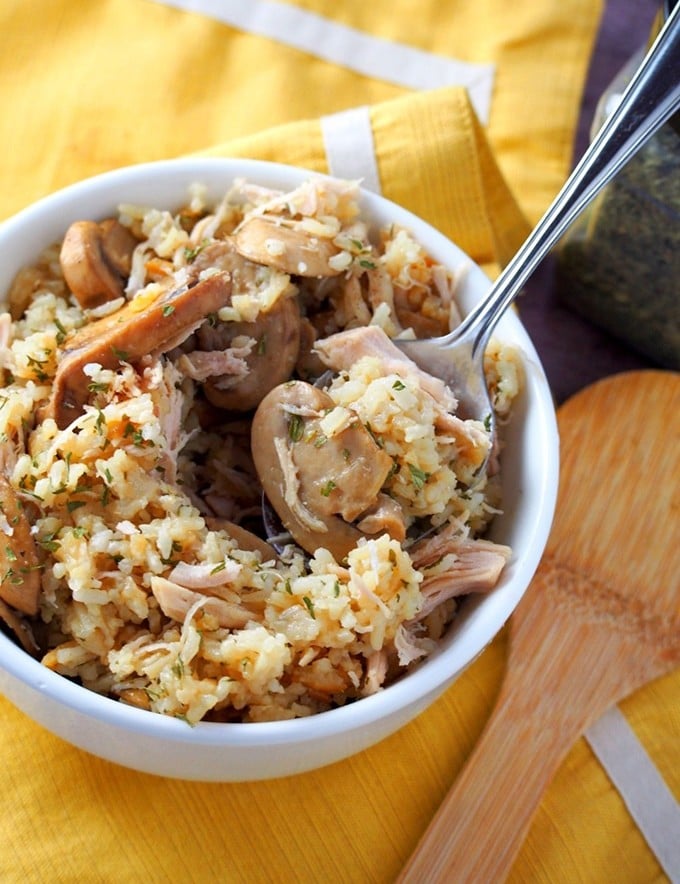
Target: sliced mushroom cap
x=245, y=539
x=19, y=628
x=316, y=483
x=118, y=244
x=308, y=365
x=140, y=328
x=95, y=260
x=423, y=326
x=20, y=582
x=287, y=246
x=270, y=362
x=135, y=697
x=223, y=255
x=386, y=516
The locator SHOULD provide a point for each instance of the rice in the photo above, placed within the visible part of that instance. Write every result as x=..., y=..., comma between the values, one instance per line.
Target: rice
x=146, y=593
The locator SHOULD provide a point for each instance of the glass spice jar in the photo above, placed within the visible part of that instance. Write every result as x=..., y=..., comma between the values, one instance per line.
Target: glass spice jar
x=619, y=263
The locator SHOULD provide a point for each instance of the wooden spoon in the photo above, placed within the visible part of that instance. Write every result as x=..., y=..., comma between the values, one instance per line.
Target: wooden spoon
x=600, y=619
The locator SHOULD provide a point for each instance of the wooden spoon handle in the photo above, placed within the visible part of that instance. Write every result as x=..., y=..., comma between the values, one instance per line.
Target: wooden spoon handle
x=485, y=817
x=562, y=673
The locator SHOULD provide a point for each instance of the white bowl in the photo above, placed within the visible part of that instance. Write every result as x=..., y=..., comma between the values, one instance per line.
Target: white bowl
x=166, y=746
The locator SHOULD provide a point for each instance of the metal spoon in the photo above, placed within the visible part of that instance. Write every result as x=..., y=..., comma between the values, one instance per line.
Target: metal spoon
x=651, y=98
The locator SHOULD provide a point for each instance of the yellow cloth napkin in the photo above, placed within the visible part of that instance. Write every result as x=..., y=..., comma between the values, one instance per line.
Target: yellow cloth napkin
x=91, y=86
x=88, y=87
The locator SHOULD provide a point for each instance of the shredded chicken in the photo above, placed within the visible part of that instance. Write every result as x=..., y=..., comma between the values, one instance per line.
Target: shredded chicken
x=203, y=364
x=354, y=307
x=409, y=647
x=342, y=350
x=376, y=673
x=175, y=601
x=470, y=437
x=472, y=565
x=170, y=402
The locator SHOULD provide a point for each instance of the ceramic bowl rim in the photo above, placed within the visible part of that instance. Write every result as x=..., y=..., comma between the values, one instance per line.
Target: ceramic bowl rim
x=430, y=676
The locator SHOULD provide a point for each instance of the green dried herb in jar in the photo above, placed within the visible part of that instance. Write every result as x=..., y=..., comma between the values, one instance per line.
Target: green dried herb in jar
x=619, y=264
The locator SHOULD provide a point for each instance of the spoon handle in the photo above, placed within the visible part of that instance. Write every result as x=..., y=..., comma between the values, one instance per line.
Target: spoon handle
x=484, y=819
x=562, y=674
x=651, y=98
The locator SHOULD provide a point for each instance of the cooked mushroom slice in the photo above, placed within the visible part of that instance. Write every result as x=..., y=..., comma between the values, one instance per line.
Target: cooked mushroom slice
x=118, y=244
x=223, y=255
x=271, y=359
x=240, y=361
x=135, y=697
x=245, y=539
x=423, y=326
x=95, y=260
x=385, y=516
x=20, y=582
x=287, y=246
x=141, y=327
x=317, y=481
x=20, y=629
x=308, y=365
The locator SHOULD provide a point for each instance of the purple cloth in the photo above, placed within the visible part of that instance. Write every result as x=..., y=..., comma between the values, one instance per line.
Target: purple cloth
x=574, y=352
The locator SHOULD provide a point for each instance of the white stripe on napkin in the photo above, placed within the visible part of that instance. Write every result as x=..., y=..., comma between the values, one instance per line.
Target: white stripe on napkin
x=350, y=150
x=331, y=41
x=648, y=798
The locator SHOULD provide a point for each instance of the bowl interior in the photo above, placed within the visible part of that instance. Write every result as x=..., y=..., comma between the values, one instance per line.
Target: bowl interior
x=530, y=458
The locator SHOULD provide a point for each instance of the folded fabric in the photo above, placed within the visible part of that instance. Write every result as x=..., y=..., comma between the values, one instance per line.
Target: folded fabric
x=432, y=157
x=89, y=87
x=97, y=86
